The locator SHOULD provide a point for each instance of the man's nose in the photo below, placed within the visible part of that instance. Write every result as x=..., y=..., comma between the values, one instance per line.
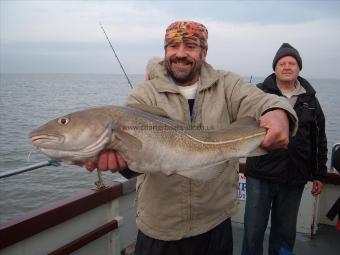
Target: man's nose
x=286, y=66
x=181, y=52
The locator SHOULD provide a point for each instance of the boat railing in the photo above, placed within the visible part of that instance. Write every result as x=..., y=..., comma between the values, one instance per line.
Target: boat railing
x=108, y=214
x=54, y=223
x=335, y=164
x=29, y=168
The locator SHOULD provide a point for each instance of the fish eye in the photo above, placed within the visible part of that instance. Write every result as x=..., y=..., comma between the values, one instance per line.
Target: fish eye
x=63, y=121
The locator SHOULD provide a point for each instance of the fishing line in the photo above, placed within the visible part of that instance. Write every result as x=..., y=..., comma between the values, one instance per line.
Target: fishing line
x=116, y=55
x=29, y=156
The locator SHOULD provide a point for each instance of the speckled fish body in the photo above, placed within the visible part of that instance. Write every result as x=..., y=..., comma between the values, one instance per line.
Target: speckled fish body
x=148, y=142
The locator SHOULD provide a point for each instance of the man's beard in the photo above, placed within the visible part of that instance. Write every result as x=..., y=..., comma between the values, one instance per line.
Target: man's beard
x=187, y=76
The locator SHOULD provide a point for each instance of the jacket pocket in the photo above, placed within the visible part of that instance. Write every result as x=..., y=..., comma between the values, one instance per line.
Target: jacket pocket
x=306, y=113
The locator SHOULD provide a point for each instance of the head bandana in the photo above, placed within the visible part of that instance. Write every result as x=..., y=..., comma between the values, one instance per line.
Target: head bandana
x=187, y=30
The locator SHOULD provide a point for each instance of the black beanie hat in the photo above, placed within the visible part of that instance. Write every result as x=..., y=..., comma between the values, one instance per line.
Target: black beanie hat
x=287, y=50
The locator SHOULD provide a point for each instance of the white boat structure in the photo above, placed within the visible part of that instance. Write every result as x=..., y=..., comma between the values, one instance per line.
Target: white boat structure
x=103, y=222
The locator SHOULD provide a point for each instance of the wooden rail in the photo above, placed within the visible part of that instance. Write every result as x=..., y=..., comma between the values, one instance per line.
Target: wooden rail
x=42, y=219
x=85, y=239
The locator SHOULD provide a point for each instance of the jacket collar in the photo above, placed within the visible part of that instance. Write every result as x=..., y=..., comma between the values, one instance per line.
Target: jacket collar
x=270, y=85
x=209, y=76
x=163, y=82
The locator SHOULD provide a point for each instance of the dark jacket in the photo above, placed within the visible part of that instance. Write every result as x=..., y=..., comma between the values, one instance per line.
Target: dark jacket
x=306, y=156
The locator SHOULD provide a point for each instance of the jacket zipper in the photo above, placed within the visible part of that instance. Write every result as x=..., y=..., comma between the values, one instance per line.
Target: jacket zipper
x=189, y=122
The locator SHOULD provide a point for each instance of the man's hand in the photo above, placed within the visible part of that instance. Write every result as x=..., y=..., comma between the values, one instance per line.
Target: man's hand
x=317, y=188
x=277, y=123
x=107, y=160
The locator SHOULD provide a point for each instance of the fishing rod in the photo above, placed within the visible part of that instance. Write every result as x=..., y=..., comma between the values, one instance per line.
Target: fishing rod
x=251, y=78
x=116, y=55
x=29, y=168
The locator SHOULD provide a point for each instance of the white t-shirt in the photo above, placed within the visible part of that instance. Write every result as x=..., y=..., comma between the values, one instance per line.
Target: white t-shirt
x=189, y=92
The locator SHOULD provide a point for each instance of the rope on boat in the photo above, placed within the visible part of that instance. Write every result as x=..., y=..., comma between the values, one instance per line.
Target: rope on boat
x=55, y=163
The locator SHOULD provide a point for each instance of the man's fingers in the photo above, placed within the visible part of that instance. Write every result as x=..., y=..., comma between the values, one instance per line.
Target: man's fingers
x=102, y=164
x=275, y=140
x=90, y=166
x=107, y=160
x=121, y=161
x=112, y=161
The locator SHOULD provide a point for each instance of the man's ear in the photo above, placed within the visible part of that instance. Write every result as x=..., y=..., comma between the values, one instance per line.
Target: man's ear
x=204, y=53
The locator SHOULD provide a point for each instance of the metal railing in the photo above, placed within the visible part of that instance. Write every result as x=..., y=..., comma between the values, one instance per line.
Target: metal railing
x=29, y=168
x=57, y=163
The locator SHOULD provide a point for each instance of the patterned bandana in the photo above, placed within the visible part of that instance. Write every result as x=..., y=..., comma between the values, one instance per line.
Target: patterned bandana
x=187, y=30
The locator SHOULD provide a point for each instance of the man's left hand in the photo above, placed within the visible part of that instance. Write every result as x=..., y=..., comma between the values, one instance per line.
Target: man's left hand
x=277, y=123
x=317, y=187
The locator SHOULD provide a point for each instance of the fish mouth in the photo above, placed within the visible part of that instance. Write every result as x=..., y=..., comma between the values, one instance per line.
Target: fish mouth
x=54, y=147
x=39, y=140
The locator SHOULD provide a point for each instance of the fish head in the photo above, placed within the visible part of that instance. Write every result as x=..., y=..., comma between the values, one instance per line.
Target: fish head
x=75, y=137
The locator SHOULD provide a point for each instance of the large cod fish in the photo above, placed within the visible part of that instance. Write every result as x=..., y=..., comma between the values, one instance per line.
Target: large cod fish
x=147, y=141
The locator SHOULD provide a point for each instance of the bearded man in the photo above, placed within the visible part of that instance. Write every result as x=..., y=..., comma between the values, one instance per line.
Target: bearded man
x=176, y=214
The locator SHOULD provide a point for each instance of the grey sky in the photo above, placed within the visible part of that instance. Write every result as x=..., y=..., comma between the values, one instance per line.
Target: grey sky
x=65, y=37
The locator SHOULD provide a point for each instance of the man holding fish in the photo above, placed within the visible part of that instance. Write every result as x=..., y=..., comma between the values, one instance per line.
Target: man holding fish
x=180, y=215
x=190, y=159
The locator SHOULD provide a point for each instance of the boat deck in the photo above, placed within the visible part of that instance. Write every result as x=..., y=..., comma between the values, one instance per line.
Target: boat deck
x=325, y=242
x=103, y=222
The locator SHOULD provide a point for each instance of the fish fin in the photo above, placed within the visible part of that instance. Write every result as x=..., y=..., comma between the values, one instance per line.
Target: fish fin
x=257, y=152
x=203, y=173
x=150, y=109
x=238, y=129
x=129, y=141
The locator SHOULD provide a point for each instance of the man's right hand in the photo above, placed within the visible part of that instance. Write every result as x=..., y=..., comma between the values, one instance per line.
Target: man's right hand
x=107, y=160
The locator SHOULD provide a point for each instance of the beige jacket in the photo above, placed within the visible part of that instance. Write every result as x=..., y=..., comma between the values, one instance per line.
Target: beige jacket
x=173, y=207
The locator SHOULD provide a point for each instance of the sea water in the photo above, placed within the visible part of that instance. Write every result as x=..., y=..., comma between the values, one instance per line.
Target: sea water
x=29, y=100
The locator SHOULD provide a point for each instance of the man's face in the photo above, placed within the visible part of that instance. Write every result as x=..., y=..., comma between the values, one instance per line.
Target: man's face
x=183, y=61
x=287, y=69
